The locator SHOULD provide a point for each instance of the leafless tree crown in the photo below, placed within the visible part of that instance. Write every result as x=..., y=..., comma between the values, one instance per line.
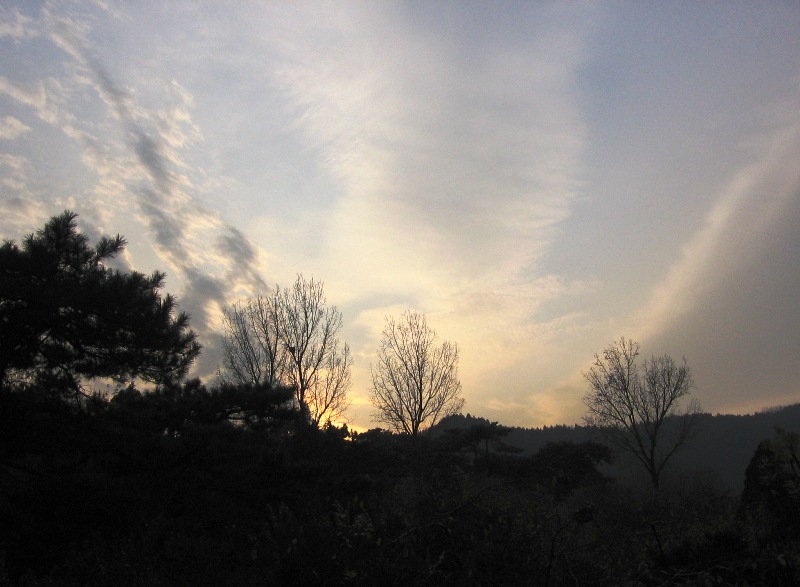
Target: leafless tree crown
x=632, y=404
x=251, y=350
x=290, y=337
x=415, y=382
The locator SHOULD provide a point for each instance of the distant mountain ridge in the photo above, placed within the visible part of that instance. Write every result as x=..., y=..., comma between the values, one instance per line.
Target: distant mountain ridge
x=718, y=453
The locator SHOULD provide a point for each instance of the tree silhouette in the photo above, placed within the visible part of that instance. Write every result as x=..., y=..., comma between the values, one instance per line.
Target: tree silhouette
x=772, y=483
x=632, y=406
x=415, y=382
x=290, y=337
x=66, y=317
x=252, y=351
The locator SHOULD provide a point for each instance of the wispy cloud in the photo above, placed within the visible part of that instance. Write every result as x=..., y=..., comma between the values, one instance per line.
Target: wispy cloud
x=427, y=169
x=18, y=206
x=538, y=179
x=36, y=96
x=179, y=224
x=456, y=156
x=455, y=163
x=137, y=153
x=742, y=213
x=11, y=128
x=15, y=172
x=15, y=25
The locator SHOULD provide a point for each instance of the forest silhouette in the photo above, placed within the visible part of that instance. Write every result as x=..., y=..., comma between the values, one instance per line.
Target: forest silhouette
x=115, y=469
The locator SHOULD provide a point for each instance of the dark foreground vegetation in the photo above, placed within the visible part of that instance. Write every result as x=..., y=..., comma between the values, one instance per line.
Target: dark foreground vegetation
x=191, y=486
x=235, y=484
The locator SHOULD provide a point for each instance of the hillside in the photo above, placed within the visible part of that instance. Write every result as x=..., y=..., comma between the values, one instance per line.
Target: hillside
x=719, y=451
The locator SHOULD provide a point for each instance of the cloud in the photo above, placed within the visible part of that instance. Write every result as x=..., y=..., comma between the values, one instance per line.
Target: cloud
x=15, y=25
x=481, y=166
x=244, y=263
x=455, y=155
x=18, y=207
x=148, y=156
x=743, y=212
x=11, y=128
x=736, y=319
x=455, y=164
x=149, y=153
x=39, y=96
x=204, y=294
x=15, y=172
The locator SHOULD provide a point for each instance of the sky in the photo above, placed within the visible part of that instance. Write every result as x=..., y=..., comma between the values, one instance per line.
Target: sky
x=538, y=179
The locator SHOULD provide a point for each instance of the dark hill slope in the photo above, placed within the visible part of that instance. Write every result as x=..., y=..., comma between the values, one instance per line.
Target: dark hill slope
x=719, y=451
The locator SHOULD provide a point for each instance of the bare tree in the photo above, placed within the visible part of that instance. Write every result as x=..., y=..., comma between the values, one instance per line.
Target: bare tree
x=328, y=394
x=290, y=337
x=637, y=408
x=415, y=382
x=319, y=364
x=251, y=350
